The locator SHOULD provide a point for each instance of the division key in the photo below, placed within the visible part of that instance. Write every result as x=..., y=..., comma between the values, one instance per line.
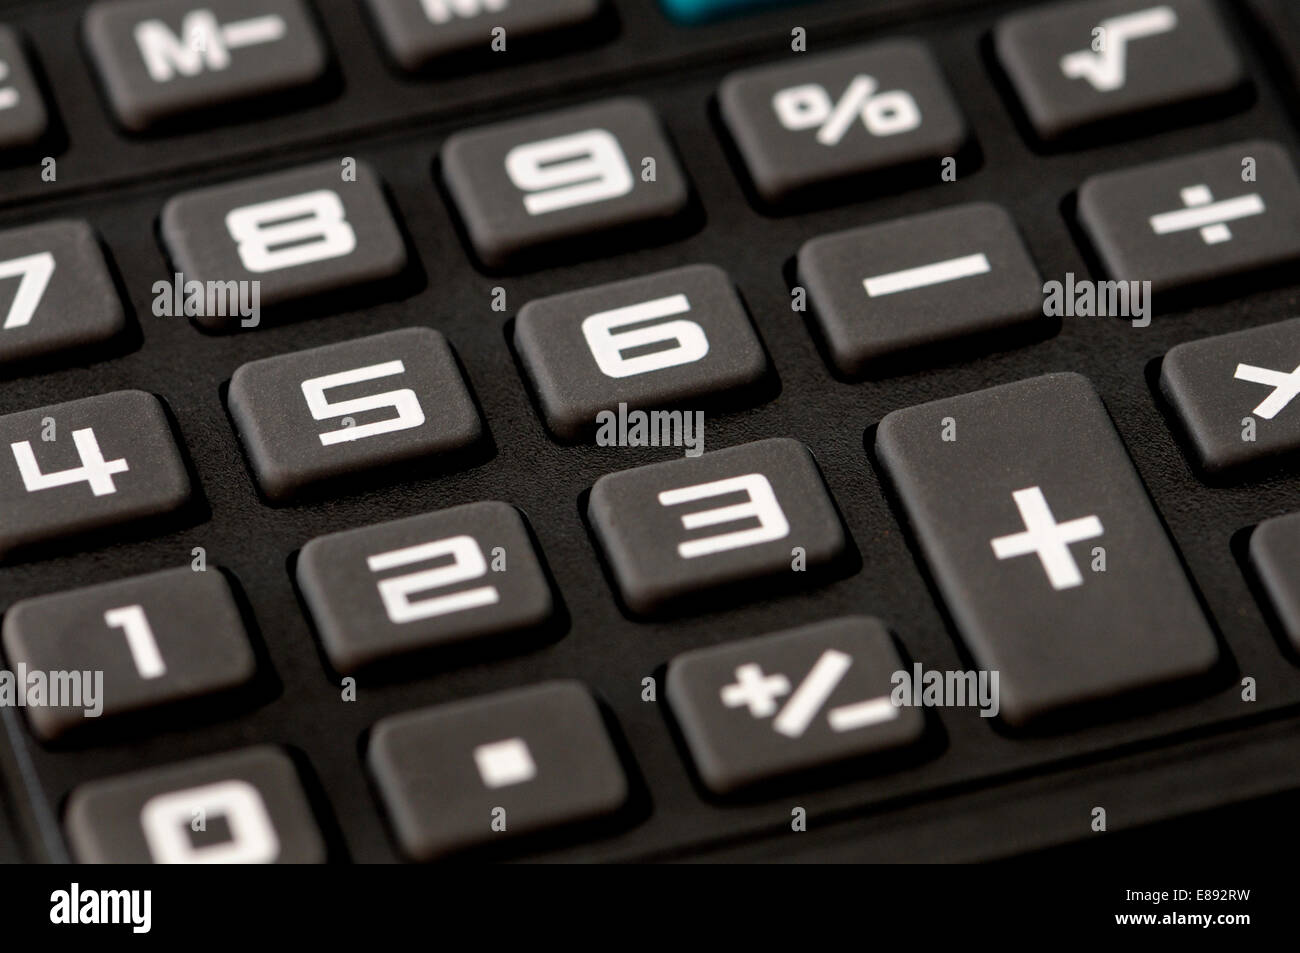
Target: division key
x=1041, y=538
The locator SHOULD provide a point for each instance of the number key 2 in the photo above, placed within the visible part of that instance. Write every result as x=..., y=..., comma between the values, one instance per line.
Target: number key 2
x=438, y=578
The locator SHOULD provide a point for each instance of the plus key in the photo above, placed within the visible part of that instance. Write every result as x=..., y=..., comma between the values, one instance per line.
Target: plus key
x=1044, y=544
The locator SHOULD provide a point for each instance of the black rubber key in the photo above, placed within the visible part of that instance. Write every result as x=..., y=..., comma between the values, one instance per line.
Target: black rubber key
x=165, y=637
x=792, y=701
x=159, y=59
x=1185, y=221
x=468, y=773
x=1275, y=554
x=1044, y=544
x=1234, y=394
x=1076, y=65
x=452, y=576
x=417, y=33
x=917, y=282
x=347, y=408
x=109, y=459
x=23, y=119
x=674, y=530
x=301, y=233
x=244, y=807
x=679, y=337
x=55, y=292
x=819, y=119
x=562, y=176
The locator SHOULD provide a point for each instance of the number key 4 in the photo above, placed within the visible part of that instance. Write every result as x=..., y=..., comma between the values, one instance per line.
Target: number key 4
x=74, y=468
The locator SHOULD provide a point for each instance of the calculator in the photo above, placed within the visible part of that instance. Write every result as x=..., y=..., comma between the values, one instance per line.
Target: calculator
x=645, y=430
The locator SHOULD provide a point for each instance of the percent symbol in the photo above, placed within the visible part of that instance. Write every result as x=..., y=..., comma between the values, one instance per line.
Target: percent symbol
x=810, y=106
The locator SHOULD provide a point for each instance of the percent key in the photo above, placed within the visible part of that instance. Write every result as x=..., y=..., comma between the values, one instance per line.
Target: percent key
x=833, y=118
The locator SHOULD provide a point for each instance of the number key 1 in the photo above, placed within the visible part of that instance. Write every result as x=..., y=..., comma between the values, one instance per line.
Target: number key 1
x=160, y=638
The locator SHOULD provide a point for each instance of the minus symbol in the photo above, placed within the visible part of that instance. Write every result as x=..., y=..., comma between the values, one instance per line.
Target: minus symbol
x=926, y=275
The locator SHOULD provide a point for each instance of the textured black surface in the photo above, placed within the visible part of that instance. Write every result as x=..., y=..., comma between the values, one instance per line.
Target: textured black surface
x=983, y=792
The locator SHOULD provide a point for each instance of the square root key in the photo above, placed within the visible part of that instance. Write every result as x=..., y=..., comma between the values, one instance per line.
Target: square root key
x=1077, y=65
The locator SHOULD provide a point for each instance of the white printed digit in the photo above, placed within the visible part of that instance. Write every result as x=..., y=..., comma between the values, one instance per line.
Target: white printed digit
x=94, y=469
x=165, y=819
x=761, y=505
x=292, y=231
x=607, y=344
x=403, y=401
x=139, y=639
x=577, y=169
x=467, y=563
x=35, y=271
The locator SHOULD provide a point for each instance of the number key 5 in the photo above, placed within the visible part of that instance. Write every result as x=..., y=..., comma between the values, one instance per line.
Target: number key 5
x=343, y=409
